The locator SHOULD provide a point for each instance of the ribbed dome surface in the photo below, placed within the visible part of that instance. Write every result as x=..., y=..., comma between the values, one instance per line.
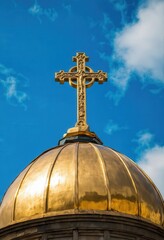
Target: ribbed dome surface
x=81, y=178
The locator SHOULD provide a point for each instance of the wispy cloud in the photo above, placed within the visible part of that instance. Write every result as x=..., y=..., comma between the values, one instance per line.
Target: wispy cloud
x=112, y=127
x=39, y=12
x=144, y=138
x=67, y=7
x=105, y=25
x=6, y=71
x=152, y=162
x=120, y=6
x=106, y=22
x=120, y=79
x=12, y=82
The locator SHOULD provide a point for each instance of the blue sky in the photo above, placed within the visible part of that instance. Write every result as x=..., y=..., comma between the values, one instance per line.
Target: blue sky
x=124, y=38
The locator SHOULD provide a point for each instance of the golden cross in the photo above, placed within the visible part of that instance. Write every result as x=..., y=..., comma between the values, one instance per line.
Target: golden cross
x=81, y=77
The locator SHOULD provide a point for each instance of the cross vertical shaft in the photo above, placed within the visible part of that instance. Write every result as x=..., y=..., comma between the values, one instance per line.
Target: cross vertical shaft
x=81, y=92
x=81, y=104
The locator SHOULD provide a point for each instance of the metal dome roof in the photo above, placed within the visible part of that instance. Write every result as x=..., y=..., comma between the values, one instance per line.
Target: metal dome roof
x=81, y=178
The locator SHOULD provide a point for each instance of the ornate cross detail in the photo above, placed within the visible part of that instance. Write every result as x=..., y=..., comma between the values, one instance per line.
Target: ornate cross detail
x=81, y=77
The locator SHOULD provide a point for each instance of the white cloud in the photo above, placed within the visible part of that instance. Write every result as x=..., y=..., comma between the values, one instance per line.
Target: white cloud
x=38, y=11
x=152, y=162
x=12, y=82
x=141, y=45
x=113, y=127
x=151, y=158
x=139, y=49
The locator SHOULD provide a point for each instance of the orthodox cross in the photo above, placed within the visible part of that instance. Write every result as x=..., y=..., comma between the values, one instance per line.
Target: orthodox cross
x=81, y=77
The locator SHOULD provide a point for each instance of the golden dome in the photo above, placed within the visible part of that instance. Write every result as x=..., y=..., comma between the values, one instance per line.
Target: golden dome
x=81, y=178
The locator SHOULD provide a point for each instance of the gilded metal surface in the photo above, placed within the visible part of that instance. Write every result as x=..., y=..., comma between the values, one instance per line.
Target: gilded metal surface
x=81, y=178
x=81, y=77
x=31, y=194
x=7, y=208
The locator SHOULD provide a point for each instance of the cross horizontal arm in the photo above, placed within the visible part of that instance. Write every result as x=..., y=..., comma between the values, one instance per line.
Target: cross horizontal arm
x=64, y=76
x=99, y=76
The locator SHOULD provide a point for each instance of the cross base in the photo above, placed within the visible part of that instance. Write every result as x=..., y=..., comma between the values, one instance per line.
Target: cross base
x=78, y=128
x=82, y=136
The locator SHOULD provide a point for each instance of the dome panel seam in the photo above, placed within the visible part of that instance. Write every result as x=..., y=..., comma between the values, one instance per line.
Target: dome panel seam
x=49, y=177
x=105, y=176
x=21, y=183
x=76, y=186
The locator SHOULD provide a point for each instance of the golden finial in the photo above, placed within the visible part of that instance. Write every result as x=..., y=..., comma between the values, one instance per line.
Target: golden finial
x=81, y=77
